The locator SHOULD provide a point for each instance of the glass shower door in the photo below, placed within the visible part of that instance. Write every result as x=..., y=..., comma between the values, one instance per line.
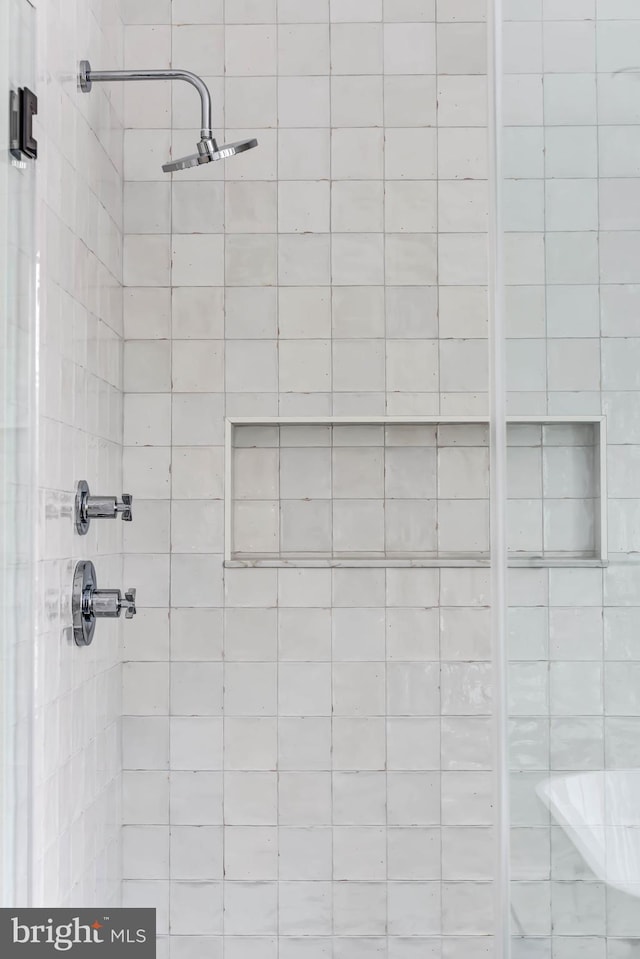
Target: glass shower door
x=17, y=484
x=570, y=152
x=5, y=712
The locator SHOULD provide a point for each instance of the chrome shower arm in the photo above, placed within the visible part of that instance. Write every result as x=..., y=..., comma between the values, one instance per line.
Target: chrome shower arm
x=208, y=149
x=89, y=76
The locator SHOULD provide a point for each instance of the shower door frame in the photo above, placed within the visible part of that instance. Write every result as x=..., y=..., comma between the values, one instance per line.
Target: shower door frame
x=18, y=472
x=6, y=855
x=498, y=485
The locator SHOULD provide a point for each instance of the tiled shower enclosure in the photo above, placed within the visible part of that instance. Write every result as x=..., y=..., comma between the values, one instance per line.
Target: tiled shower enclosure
x=302, y=745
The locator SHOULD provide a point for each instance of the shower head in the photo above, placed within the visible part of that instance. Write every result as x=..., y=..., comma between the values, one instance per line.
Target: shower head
x=208, y=150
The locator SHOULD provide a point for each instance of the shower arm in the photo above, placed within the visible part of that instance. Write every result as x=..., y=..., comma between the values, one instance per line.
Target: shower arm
x=89, y=76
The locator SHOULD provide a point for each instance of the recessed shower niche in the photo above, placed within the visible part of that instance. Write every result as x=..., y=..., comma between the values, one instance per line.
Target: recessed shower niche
x=392, y=491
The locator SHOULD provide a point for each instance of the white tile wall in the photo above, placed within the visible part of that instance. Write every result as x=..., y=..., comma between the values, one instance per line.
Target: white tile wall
x=309, y=754
x=322, y=739
x=77, y=766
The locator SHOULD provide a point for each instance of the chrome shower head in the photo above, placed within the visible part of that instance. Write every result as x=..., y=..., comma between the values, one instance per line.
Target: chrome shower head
x=208, y=150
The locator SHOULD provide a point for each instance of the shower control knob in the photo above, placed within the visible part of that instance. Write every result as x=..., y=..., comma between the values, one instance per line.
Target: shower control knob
x=124, y=506
x=129, y=604
x=90, y=603
x=90, y=507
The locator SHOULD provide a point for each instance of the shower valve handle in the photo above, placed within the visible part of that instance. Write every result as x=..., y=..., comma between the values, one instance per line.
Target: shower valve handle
x=90, y=507
x=109, y=603
x=108, y=507
x=129, y=604
x=90, y=603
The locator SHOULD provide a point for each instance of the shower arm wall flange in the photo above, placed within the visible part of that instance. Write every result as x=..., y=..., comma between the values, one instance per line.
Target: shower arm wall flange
x=87, y=77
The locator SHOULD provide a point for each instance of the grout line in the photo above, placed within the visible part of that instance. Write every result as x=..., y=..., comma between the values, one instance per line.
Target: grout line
x=228, y=474
x=384, y=303
x=602, y=493
x=384, y=477
x=437, y=452
x=279, y=472
x=546, y=307
x=437, y=223
x=171, y=455
x=332, y=356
